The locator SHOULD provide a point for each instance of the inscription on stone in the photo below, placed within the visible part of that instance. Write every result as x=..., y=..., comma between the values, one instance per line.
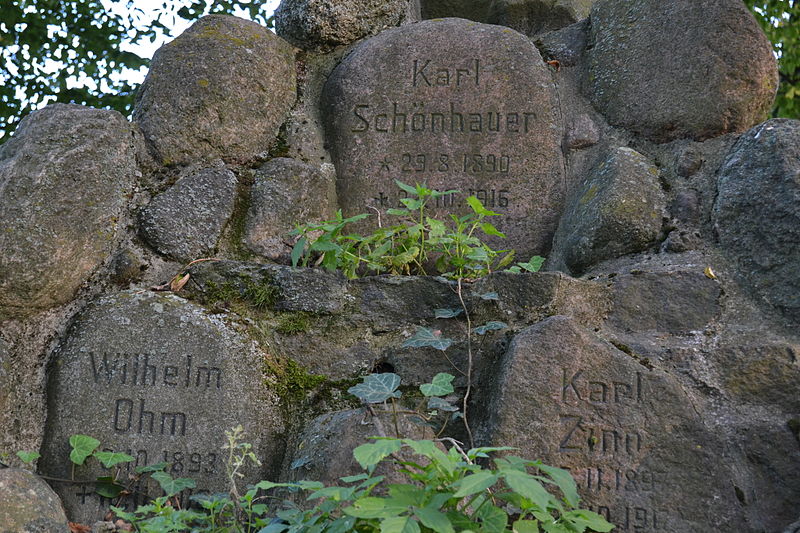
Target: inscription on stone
x=157, y=378
x=458, y=106
x=629, y=434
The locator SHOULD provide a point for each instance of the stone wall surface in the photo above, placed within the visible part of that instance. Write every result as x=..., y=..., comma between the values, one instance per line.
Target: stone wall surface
x=146, y=297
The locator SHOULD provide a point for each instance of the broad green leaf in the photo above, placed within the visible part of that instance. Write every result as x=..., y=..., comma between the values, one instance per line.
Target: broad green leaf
x=109, y=459
x=28, y=457
x=353, y=479
x=528, y=487
x=82, y=447
x=506, y=260
x=525, y=526
x=447, y=313
x=483, y=451
x=408, y=188
x=274, y=528
x=533, y=265
x=151, y=468
x=372, y=453
x=441, y=385
x=334, y=493
x=441, y=404
x=399, y=524
x=565, y=482
x=172, y=486
x=493, y=519
x=345, y=524
x=412, y=203
x=325, y=246
x=377, y=388
x=588, y=519
x=372, y=507
x=429, y=449
x=425, y=337
x=408, y=495
x=476, y=483
x=398, y=212
x=434, y=519
x=297, y=251
x=478, y=254
x=489, y=229
x=552, y=527
x=493, y=325
x=107, y=487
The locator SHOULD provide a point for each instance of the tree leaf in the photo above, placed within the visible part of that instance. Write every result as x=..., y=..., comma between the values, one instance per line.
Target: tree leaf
x=82, y=447
x=171, y=486
x=588, y=520
x=408, y=188
x=434, y=519
x=297, y=251
x=377, y=388
x=565, y=482
x=107, y=487
x=447, y=313
x=525, y=484
x=425, y=337
x=372, y=453
x=489, y=229
x=399, y=524
x=493, y=325
x=441, y=385
x=475, y=483
x=110, y=459
x=525, y=526
x=493, y=519
x=373, y=507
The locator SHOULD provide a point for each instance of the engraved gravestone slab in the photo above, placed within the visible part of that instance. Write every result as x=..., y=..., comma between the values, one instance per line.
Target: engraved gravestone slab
x=640, y=453
x=457, y=105
x=160, y=379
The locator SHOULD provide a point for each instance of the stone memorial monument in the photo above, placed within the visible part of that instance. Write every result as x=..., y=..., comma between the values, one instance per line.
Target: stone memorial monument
x=147, y=298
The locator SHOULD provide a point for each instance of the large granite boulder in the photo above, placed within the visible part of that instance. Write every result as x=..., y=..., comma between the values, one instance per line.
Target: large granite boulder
x=186, y=220
x=64, y=177
x=220, y=90
x=534, y=17
x=311, y=24
x=718, y=76
x=28, y=504
x=476, y=10
x=757, y=213
x=456, y=105
x=160, y=379
x=617, y=210
x=286, y=193
x=631, y=434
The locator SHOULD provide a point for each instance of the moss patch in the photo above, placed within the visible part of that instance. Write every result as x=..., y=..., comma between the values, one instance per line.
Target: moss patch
x=293, y=323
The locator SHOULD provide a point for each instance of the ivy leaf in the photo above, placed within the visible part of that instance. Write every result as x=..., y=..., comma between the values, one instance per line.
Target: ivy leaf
x=425, y=337
x=377, y=388
x=110, y=459
x=493, y=519
x=489, y=296
x=82, y=447
x=398, y=212
x=441, y=404
x=441, y=385
x=527, y=486
x=28, y=457
x=493, y=325
x=170, y=486
x=107, y=487
x=447, y=313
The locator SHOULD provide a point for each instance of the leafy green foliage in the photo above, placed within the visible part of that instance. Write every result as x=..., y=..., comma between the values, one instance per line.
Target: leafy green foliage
x=425, y=337
x=82, y=447
x=377, y=388
x=454, y=246
x=46, y=46
x=28, y=457
x=780, y=20
x=442, y=385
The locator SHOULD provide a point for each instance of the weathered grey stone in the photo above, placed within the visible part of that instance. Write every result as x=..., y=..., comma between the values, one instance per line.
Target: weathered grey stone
x=534, y=17
x=757, y=213
x=476, y=113
x=311, y=24
x=63, y=180
x=617, y=210
x=286, y=193
x=632, y=436
x=720, y=76
x=186, y=220
x=324, y=450
x=793, y=528
x=675, y=302
x=28, y=504
x=160, y=379
x=565, y=45
x=220, y=90
x=475, y=10
x=582, y=132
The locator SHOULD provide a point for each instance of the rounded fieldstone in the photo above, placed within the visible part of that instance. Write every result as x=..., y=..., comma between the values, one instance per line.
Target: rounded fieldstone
x=534, y=17
x=669, y=69
x=64, y=176
x=28, y=504
x=186, y=220
x=477, y=10
x=220, y=90
x=757, y=213
x=618, y=210
x=310, y=24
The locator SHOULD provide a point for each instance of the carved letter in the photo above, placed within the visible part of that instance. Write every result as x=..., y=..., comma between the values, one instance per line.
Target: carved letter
x=420, y=72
